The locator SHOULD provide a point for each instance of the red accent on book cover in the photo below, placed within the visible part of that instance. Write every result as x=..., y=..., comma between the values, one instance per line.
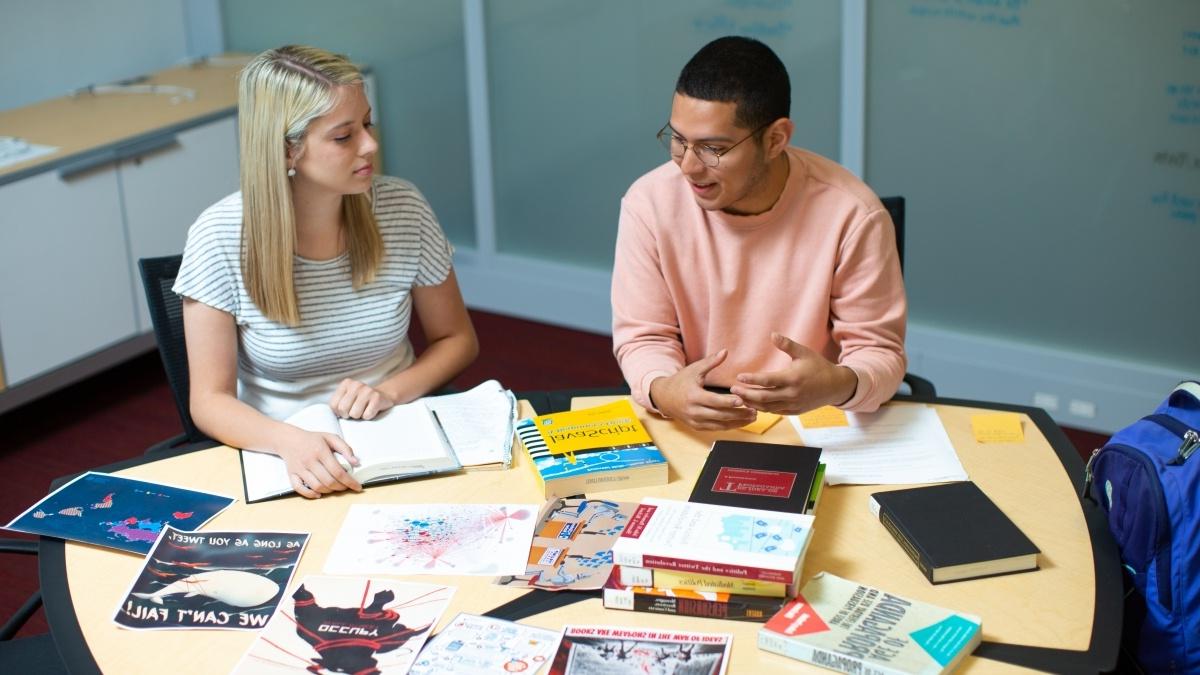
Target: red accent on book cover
x=797, y=618
x=756, y=482
x=719, y=569
x=638, y=521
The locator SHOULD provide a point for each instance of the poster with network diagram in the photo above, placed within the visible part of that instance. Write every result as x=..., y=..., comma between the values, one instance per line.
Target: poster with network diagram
x=403, y=539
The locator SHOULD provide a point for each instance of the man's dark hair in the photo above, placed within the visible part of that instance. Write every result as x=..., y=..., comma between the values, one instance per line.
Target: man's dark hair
x=740, y=70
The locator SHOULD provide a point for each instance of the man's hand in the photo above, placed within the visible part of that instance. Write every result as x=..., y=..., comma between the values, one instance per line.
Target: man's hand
x=809, y=381
x=683, y=397
x=358, y=400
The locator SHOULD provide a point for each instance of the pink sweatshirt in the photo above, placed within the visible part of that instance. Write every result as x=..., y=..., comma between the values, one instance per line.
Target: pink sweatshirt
x=820, y=267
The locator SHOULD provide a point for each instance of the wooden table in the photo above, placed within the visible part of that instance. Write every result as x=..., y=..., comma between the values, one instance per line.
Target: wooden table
x=1064, y=617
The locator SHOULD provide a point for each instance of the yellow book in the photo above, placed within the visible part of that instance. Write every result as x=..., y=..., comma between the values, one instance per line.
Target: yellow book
x=604, y=426
x=599, y=448
x=702, y=583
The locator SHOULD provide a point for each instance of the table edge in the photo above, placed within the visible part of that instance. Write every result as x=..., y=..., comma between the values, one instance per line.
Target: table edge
x=1100, y=656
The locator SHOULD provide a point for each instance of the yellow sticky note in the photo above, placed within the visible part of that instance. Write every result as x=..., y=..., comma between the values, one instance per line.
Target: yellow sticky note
x=827, y=416
x=764, y=421
x=997, y=428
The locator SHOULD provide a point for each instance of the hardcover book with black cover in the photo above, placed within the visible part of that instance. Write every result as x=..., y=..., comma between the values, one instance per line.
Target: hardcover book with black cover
x=953, y=532
x=751, y=475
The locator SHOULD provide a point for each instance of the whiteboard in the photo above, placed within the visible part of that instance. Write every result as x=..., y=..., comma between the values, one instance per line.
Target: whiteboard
x=1050, y=154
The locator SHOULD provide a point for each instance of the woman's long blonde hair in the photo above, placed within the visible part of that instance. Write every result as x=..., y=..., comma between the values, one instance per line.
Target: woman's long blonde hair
x=281, y=91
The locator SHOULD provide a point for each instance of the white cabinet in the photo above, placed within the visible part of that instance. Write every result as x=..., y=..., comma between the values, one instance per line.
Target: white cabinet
x=71, y=236
x=64, y=279
x=167, y=187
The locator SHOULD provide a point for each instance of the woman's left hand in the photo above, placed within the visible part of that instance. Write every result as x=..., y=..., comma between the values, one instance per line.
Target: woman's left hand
x=358, y=400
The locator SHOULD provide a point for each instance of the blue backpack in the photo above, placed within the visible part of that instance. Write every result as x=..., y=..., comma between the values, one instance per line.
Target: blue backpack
x=1147, y=481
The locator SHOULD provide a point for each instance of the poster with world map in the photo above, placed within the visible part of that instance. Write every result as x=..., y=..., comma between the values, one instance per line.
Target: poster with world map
x=118, y=512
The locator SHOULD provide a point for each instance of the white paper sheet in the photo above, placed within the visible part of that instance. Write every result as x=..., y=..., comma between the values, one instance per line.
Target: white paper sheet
x=479, y=423
x=400, y=539
x=15, y=150
x=895, y=445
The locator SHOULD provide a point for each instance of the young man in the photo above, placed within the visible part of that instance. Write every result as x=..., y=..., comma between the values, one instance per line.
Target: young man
x=750, y=265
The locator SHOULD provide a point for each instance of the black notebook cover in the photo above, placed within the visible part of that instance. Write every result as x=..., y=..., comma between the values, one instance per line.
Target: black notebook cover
x=768, y=476
x=953, y=531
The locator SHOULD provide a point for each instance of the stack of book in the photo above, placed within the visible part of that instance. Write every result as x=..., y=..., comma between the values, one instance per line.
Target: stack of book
x=708, y=560
x=599, y=448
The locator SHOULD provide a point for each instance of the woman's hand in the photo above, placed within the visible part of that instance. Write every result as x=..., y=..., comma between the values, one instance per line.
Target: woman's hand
x=317, y=463
x=358, y=400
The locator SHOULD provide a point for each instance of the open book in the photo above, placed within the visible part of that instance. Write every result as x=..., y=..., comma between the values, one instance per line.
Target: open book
x=402, y=442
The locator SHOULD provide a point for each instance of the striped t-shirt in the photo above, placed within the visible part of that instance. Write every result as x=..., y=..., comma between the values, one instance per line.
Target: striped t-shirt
x=343, y=332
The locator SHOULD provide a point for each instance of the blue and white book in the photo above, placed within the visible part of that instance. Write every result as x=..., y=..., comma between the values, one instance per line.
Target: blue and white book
x=852, y=628
x=118, y=512
x=600, y=448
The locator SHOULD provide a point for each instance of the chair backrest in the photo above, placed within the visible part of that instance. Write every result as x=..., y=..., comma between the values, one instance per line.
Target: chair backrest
x=895, y=207
x=918, y=386
x=166, y=313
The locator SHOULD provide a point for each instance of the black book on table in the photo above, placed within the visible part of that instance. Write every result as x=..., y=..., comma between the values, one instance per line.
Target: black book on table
x=751, y=475
x=954, y=532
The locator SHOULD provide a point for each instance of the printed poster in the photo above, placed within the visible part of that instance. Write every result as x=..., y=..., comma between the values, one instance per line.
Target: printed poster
x=619, y=650
x=572, y=545
x=477, y=645
x=404, y=539
x=219, y=580
x=118, y=512
x=347, y=625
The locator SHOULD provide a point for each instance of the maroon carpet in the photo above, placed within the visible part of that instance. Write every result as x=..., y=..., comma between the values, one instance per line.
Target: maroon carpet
x=119, y=413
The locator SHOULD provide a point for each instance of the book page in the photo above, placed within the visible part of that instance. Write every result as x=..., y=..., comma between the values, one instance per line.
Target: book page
x=896, y=444
x=478, y=423
x=265, y=473
x=405, y=437
x=318, y=417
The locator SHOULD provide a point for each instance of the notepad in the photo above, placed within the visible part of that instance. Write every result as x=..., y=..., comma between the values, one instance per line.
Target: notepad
x=764, y=421
x=823, y=417
x=997, y=428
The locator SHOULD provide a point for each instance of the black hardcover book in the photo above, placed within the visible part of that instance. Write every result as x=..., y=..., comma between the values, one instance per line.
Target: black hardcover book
x=768, y=476
x=953, y=531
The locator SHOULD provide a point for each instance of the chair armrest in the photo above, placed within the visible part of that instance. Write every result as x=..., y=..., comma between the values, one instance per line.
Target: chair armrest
x=919, y=387
x=23, y=546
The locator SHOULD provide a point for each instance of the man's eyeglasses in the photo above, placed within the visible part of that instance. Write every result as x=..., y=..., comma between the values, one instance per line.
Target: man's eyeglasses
x=708, y=155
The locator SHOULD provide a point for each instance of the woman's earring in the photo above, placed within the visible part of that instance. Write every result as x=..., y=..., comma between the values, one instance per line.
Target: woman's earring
x=291, y=172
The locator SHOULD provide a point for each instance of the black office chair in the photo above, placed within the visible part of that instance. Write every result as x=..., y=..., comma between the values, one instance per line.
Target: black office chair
x=33, y=654
x=918, y=386
x=166, y=313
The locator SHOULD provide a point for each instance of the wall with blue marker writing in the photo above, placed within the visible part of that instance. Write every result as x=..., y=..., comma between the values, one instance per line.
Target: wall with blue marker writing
x=1050, y=153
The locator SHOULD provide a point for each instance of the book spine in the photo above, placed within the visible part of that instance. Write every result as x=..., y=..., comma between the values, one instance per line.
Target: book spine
x=721, y=569
x=890, y=525
x=635, y=576
x=735, y=608
x=530, y=440
x=711, y=584
x=770, y=641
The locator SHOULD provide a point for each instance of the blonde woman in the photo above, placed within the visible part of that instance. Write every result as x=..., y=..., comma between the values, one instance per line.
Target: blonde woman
x=299, y=288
